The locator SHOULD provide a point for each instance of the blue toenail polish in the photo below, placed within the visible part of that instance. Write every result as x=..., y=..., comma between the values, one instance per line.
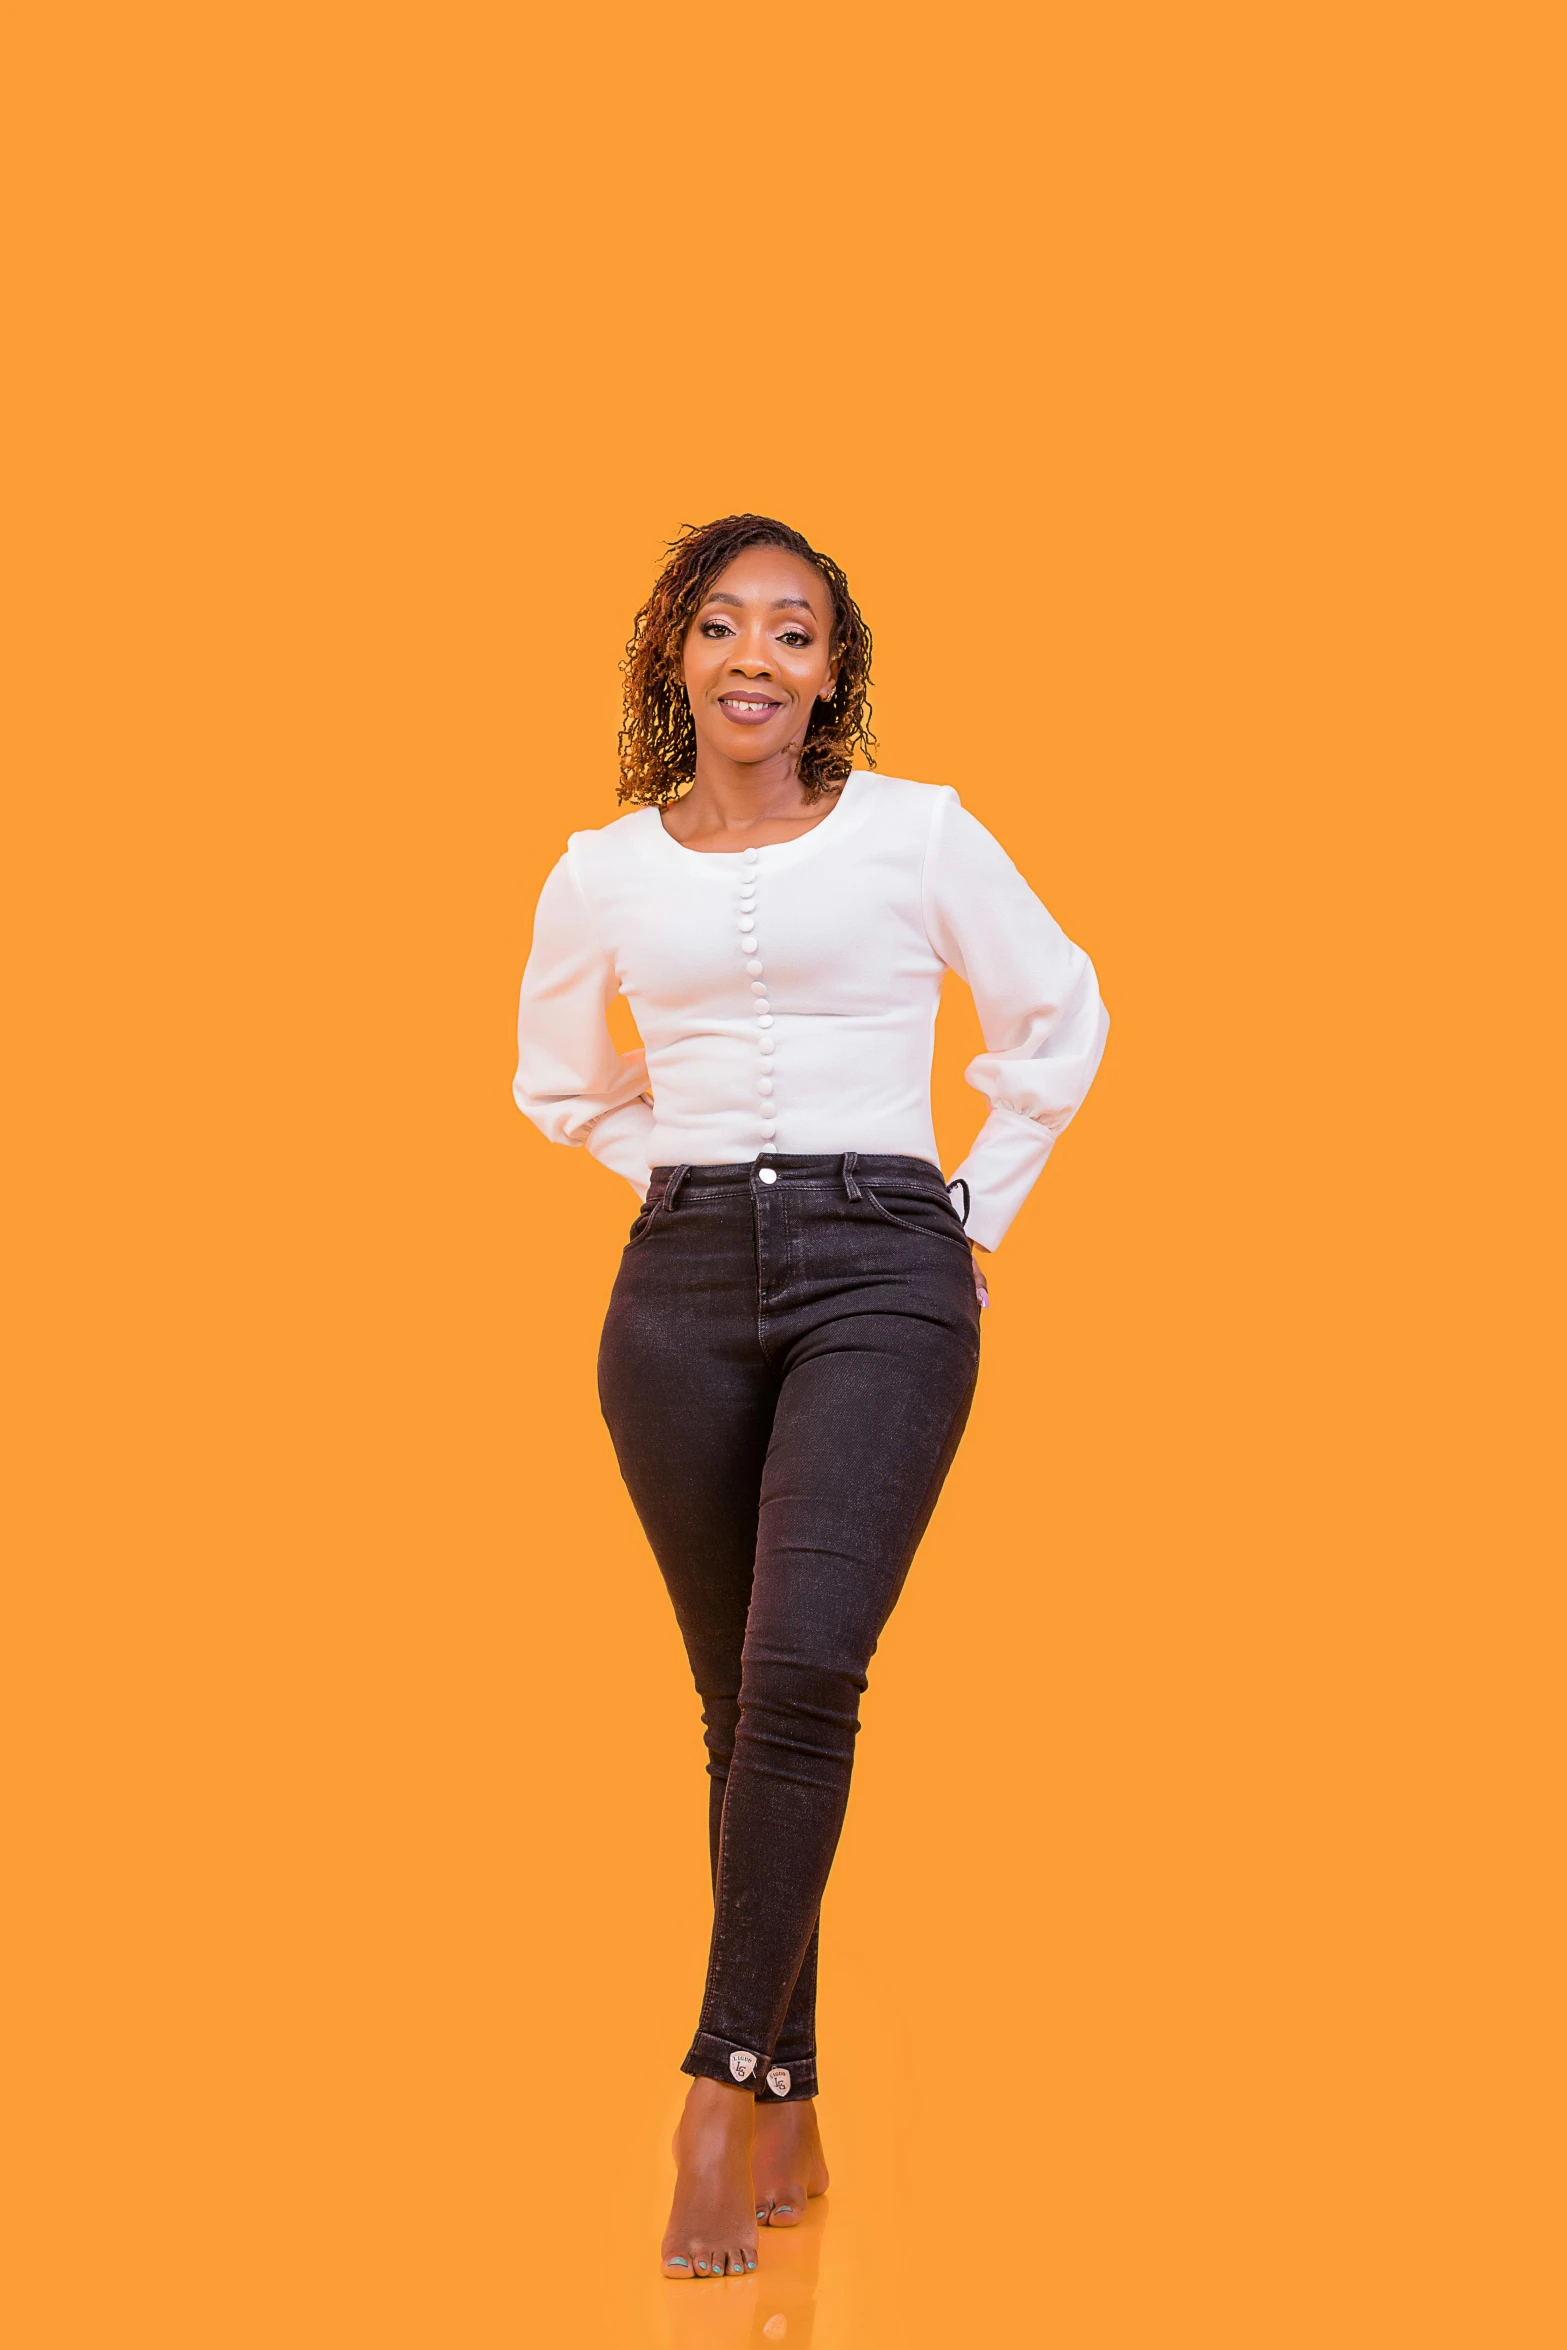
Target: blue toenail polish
x=702, y=2265
x=675, y=2261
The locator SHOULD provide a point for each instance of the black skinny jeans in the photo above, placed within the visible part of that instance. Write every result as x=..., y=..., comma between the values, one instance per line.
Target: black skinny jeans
x=786, y=1369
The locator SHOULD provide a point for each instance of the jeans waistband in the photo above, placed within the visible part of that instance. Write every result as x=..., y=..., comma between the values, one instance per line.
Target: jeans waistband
x=850, y=1169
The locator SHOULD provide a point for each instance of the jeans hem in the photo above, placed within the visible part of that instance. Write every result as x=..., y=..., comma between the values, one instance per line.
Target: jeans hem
x=713, y=2059
x=802, y=2085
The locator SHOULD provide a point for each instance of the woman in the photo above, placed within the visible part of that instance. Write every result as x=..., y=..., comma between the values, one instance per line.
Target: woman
x=793, y=1338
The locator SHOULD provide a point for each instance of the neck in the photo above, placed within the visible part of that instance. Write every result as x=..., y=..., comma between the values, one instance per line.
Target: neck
x=728, y=795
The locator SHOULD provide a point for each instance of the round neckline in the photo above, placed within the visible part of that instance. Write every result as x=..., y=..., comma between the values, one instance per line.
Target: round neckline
x=845, y=814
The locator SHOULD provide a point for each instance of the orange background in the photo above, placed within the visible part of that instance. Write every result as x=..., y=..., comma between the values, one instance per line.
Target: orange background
x=1173, y=385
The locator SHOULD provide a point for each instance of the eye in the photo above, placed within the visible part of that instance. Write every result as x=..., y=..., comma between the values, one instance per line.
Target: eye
x=793, y=636
x=716, y=628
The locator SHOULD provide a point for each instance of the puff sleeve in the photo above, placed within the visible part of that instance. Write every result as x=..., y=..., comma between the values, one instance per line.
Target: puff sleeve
x=571, y=1081
x=1038, y=1004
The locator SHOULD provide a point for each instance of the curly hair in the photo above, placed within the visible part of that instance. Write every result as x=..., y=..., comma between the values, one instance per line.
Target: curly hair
x=657, y=734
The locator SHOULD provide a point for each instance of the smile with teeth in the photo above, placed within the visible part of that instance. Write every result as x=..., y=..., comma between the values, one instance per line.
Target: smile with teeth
x=750, y=709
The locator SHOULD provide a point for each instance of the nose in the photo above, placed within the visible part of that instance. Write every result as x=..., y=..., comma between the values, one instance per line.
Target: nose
x=750, y=655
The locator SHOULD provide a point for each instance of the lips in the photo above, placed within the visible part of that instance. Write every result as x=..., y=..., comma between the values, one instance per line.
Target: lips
x=748, y=709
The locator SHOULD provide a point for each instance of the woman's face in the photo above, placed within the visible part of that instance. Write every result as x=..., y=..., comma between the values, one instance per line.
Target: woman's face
x=758, y=655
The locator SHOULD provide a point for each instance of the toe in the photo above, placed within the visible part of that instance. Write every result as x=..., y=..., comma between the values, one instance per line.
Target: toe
x=677, y=2265
x=785, y=2215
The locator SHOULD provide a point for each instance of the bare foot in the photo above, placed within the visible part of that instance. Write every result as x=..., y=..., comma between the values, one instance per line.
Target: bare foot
x=787, y=2162
x=712, y=2222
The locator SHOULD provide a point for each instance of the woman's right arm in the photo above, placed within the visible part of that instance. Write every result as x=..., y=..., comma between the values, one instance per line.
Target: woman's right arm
x=571, y=1081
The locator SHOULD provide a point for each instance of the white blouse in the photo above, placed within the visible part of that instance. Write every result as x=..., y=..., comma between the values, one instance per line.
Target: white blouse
x=786, y=997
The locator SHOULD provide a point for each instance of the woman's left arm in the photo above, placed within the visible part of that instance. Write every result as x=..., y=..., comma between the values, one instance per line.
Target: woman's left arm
x=1038, y=1004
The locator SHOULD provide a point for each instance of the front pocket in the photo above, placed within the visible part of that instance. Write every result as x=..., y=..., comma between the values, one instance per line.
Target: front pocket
x=643, y=1224
x=944, y=1224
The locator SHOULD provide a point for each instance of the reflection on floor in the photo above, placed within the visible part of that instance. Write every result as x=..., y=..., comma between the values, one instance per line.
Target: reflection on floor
x=774, y=2310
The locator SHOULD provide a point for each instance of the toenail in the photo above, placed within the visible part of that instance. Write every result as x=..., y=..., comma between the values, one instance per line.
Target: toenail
x=750, y=2264
x=675, y=2261
x=702, y=2264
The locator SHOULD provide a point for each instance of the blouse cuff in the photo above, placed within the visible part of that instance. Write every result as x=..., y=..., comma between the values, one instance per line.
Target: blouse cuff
x=619, y=1141
x=1001, y=1170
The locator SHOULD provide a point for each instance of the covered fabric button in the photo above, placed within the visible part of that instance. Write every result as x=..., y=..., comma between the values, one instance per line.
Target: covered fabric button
x=754, y=967
x=750, y=856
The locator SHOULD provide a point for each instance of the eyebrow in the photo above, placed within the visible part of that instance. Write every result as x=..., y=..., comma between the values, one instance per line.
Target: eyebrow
x=779, y=604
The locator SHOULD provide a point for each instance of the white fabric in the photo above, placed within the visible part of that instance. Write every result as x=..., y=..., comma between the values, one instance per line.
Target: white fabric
x=848, y=930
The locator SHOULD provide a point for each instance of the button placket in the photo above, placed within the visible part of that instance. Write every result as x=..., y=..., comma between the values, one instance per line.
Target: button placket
x=762, y=1008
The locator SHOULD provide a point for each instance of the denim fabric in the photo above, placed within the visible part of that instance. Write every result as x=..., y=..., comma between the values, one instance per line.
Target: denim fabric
x=786, y=1370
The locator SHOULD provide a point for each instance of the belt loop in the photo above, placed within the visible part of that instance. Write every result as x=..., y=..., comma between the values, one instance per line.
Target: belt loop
x=849, y=1184
x=962, y=1185
x=672, y=1187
